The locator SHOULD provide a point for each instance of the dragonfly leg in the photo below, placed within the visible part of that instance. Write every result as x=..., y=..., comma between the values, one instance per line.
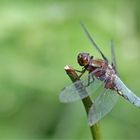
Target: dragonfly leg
x=89, y=79
x=91, y=75
x=80, y=71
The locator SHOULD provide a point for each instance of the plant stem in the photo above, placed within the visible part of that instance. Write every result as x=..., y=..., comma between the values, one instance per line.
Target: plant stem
x=87, y=102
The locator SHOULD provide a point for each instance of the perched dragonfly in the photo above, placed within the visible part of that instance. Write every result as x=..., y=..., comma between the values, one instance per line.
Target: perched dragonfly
x=102, y=74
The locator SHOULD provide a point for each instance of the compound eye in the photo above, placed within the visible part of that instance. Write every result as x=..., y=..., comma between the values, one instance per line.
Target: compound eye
x=80, y=59
x=83, y=59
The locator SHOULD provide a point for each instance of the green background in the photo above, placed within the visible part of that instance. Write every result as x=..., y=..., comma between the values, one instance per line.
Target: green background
x=37, y=39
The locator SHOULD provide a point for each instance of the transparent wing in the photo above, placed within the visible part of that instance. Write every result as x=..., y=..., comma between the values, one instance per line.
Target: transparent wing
x=79, y=90
x=113, y=53
x=126, y=93
x=102, y=105
x=92, y=41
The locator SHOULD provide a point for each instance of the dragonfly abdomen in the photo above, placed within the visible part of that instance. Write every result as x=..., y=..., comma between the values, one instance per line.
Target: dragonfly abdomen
x=126, y=93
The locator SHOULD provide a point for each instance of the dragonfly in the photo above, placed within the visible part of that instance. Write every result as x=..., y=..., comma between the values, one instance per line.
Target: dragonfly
x=101, y=74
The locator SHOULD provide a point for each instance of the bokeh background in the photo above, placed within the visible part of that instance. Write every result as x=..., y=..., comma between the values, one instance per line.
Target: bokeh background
x=37, y=39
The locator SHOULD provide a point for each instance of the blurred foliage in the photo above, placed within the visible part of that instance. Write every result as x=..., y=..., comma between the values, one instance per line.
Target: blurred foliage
x=37, y=39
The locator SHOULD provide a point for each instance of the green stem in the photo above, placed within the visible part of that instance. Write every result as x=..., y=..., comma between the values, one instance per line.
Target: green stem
x=87, y=102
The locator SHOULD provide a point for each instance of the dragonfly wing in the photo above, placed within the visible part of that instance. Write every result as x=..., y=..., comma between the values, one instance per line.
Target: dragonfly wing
x=102, y=105
x=126, y=93
x=93, y=42
x=79, y=90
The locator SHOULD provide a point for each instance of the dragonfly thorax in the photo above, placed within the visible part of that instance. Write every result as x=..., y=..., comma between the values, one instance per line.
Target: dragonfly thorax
x=110, y=71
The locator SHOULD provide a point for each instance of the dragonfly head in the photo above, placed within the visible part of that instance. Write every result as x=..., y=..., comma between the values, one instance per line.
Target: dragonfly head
x=83, y=59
